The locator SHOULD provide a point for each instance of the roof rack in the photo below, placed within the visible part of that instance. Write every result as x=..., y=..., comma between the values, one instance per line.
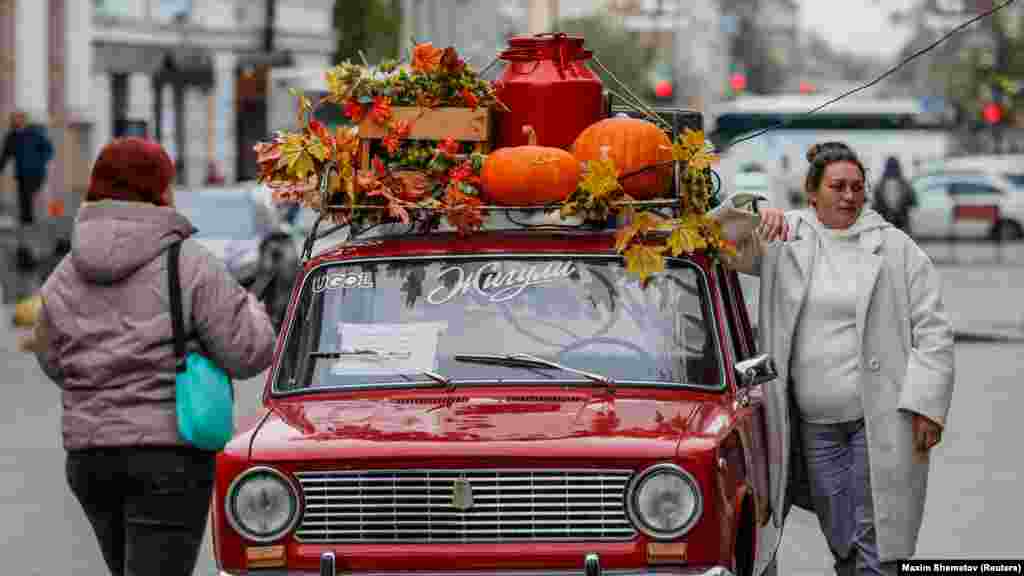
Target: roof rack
x=679, y=119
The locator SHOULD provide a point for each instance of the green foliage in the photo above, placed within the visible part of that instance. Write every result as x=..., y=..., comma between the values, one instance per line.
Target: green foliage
x=372, y=26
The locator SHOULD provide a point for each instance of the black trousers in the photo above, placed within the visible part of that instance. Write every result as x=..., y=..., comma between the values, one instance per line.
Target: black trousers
x=147, y=506
x=28, y=187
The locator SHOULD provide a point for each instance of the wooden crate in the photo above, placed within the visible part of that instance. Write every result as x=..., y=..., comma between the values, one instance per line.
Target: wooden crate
x=461, y=124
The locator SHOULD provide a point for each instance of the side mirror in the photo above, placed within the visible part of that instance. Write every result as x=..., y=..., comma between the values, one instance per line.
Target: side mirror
x=756, y=370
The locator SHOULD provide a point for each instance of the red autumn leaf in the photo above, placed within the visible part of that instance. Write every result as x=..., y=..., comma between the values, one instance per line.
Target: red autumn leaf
x=391, y=143
x=450, y=61
x=402, y=128
x=414, y=185
x=381, y=112
x=464, y=212
x=471, y=100
x=378, y=167
x=463, y=173
x=448, y=147
x=319, y=130
x=426, y=58
x=354, y=111
x=366, y=180
x=394, y=205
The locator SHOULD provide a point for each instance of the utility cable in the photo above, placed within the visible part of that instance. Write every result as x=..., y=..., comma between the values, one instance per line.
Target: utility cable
x=886, y=74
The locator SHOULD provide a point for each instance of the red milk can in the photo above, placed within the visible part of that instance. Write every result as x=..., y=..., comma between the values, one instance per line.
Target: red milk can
x=547, y=85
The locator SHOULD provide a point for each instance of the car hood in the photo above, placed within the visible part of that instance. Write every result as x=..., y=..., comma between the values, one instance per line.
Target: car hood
x=556, y=425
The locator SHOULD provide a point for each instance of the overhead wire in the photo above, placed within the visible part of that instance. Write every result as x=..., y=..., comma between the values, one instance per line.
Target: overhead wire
x=884, y=75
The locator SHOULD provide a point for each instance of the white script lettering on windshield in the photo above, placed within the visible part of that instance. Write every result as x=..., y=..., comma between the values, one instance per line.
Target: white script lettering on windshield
x=495, y=285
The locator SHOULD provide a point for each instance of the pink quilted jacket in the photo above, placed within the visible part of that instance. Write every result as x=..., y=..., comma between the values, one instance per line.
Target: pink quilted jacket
x=105, y=331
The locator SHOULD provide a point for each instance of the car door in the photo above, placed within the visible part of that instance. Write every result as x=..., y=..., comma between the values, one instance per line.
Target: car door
x=976, y=205
x=741, y=345
x=933, y=215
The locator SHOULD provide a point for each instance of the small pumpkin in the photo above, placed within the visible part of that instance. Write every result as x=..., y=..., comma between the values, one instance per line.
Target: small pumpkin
x=633, y=144
x=529, y=175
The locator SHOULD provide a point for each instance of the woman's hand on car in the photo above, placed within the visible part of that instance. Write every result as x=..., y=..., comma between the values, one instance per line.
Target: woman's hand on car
x=773, y=225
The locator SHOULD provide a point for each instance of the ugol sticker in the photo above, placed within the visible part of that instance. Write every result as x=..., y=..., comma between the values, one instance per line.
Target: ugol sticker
x=339, y=280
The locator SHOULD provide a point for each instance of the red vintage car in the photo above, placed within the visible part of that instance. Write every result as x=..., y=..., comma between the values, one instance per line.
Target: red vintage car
x=508, y=403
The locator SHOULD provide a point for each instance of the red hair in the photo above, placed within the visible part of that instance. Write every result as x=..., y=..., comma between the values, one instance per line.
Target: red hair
x=133, y=170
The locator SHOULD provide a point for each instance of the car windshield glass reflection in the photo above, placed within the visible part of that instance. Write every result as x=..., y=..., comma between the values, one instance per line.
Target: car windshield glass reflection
x=218, y=215
x=420, y=316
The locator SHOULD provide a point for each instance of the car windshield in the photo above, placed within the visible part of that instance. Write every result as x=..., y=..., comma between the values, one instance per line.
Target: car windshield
x=377, y=323
x=218, y=214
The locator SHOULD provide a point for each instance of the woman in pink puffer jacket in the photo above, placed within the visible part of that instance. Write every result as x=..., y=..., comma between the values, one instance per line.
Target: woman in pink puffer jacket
x=104, y=336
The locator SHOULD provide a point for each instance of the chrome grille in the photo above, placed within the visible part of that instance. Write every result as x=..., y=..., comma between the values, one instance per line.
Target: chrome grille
x=411, y=506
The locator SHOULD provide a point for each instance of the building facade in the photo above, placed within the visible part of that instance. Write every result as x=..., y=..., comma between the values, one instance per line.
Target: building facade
x=44, y=64
x=691, y=41
x=193, y=74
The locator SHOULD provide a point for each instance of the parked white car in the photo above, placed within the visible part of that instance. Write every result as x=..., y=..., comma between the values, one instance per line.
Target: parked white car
x=962, y=204
x=232, y=220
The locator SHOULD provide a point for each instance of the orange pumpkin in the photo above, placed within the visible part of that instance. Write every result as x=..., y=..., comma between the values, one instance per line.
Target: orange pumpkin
x=633, y=144
x=529, y=175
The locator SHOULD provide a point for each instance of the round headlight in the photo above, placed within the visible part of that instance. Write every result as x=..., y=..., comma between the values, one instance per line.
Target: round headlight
x=262, y=504
x=664, y=501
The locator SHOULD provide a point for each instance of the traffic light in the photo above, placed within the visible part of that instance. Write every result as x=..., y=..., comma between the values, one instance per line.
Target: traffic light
x=738, y=81
x=992, y=113
x=663, y=89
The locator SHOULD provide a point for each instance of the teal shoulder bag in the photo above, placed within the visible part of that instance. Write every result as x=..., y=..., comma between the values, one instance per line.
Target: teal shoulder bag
x=204, y=396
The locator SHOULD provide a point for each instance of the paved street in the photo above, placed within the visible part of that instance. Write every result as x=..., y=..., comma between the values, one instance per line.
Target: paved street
x=973, y=507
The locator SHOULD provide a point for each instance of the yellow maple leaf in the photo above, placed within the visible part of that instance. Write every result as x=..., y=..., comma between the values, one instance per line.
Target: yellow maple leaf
x=645, y=260
x=639, y=224
x=317, y=149
x=601, y=179
x=686, y=236
x=295, y=154
x=694, y=151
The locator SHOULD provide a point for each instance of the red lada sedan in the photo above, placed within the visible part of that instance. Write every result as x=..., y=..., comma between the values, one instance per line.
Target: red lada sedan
x=509, y=403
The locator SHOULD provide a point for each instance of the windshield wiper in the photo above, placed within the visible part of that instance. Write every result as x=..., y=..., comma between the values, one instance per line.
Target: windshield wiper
x=376, y=354
x=533, y=362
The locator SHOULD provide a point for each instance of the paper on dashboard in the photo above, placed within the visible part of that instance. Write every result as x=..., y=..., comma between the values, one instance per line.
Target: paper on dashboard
x=388, y=349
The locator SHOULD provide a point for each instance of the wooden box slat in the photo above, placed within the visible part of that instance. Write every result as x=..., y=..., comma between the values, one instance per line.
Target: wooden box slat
x=463, y=124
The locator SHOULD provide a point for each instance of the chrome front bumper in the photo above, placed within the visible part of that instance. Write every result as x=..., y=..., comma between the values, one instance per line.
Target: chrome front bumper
x=592, y=567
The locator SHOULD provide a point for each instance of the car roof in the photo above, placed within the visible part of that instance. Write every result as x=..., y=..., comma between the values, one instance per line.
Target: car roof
x=497, y=242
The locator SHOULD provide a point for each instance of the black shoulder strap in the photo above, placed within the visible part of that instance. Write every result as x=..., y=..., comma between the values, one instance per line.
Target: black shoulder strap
x=177, y=322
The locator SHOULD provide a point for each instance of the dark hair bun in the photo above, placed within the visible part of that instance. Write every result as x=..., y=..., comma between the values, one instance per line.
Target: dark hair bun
x=822, y=148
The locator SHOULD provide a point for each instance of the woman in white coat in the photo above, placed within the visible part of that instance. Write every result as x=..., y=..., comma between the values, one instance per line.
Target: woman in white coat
x=851, y=310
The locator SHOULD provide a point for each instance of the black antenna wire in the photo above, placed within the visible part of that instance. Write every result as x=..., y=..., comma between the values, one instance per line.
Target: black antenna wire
x=886, y=74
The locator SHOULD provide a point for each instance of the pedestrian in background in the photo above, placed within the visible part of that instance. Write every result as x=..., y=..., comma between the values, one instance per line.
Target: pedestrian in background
x=893, y=196
x=32, y=151
x=104, y=335
x=851, y=309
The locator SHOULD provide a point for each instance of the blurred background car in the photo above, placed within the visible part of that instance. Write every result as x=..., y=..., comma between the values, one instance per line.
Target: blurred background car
x=959, y=203
x=231, y=220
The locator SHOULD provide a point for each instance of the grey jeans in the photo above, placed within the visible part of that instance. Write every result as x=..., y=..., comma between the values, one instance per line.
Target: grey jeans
x=838, y=471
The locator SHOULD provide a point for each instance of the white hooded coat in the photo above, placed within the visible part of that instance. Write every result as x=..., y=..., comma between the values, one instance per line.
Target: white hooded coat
x=906, y=355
